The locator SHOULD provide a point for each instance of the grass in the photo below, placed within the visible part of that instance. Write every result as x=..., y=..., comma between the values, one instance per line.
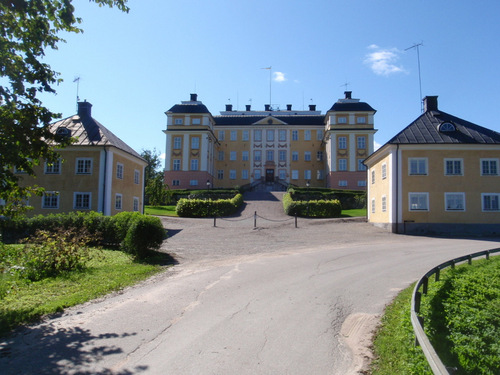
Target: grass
x=354, y=212
x=23, y=301
x=160, y=210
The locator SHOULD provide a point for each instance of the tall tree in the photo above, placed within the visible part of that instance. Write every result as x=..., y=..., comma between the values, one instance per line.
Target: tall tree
x=27, y=29
x=157, y=192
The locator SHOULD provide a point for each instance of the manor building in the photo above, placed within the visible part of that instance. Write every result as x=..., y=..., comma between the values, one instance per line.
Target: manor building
x=270, y=146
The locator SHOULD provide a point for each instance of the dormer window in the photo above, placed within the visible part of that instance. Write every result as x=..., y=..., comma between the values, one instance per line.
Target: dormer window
x=446, y=127
x=63, y=131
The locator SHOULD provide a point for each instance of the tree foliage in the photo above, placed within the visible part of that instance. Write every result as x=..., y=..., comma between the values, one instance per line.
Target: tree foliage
x=27, y=29
x=157, y=192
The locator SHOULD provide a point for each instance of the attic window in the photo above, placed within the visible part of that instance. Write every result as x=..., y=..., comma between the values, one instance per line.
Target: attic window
x=446, y=127
x=63, y=131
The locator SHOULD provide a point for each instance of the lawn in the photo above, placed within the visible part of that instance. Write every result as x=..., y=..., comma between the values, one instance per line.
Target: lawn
x=160, y=210
x=357, y=212
x=22, y=301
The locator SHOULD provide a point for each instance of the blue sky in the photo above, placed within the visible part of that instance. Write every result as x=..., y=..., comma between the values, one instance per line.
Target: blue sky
x=133, y=67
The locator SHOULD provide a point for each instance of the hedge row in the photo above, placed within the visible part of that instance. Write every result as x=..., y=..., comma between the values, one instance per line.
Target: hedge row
x=349, y=199
x=208, y=207
x=213, y=194
x=311, y=208
x=133, y=232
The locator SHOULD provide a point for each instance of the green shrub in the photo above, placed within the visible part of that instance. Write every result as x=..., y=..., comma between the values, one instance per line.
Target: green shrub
x=313, y=208
x=208, y=208
x=144, y=234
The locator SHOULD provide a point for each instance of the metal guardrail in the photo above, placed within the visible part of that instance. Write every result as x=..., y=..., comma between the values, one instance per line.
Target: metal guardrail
x=417, y=321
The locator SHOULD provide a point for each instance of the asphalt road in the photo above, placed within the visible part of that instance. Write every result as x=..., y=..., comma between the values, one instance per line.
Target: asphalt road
x=269, y=299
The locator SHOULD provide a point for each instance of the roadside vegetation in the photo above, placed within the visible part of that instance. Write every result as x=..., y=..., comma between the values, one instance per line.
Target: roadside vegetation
x=461, y=320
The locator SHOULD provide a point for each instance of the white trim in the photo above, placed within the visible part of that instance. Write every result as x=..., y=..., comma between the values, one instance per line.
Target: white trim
x=448, y=194
x=461, y=160
x=82, y=193
x=118, y=195
x=109, y=183
x=426, y=194
x=482, y=201
x=489, y=159
x=54, y=193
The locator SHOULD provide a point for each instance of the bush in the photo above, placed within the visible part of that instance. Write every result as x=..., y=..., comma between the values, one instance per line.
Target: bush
x=145, y=233
x=208, y=208
x=312, y=208
x=349, y=199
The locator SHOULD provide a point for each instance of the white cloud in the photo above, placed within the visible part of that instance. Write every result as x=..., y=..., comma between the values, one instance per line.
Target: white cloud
x=162, y=156
x=376, y=145
x=383, y=61
x=279, y=77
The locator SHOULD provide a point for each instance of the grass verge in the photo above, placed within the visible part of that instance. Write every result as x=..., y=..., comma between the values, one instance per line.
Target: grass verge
x=358, y=212
x=23, y=302
x=160, y=210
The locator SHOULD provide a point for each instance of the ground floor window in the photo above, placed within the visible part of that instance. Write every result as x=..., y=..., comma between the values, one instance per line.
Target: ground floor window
x=490, y=201
x=384, y=203
x=257, y=174
x=454, y=201
x=343, y=183
x=81, y=201
x=220, y=174
x=295, y=174
x=193, y=182
x=361, y=183
x=282, y=174
x=176, y=182
x=136, y=204
x=50, y=199
x=118, y=201
x=418, y=201
x=244, y=174
x=232, y=174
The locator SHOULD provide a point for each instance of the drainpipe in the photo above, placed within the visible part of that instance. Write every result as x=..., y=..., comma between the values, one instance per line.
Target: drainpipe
x=104, y=180
x=397, y=188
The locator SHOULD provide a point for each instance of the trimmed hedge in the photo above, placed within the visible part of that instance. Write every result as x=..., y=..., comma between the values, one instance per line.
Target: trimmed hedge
x=213, y=194
x=311, y=208
x=349, y=199
x=208, y=207
x=134, y=232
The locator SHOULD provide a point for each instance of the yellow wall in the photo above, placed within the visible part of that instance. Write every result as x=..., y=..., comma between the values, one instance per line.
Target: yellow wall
x=378, y=189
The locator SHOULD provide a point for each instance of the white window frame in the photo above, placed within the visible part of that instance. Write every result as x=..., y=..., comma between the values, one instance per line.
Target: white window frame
x=135, y=206
x=384, y=171
x=195, y=143
x=361, y=166
x=233, y=136
x=137, y=177
x=85, y=169
x=295, y=174
x=320, y=174
x=342, y=143
x=244, y=155
x=177, y=143
x=342, y=165
x=295, y=135
x=196, y=121
x=270, y=135
x=118, y=201
x=232, y=174
x=384, y=203
x=307, y=135
x=362, y=183
x=342, y=120
x=448, y=200
x=295, y=156
x=257, y=155
x=269, y=155
x=418, y=161
x=496, y=196
x=257, y=174
x=282, y=155
x=76, y=195
x=53, y=168
x=319, y=135
x=282, y=174
x=257, y=135
x=361, y=142
x=319, y=156
x=282, y=135
x=52, y=198
x=418, y=195
x=176, y=182
x=244, y=174
x=176, y=165
x=307, y=155
x=179, y=121
x=222, y=135
x=342, y=183
x=307, y=174
x=221, y=155
x=454, y=162
x=245, y=135
x=193, y=182
x=373, y=205
x=489, y=161
x=233, y=155
x=361, y=120
x=194, y=165
x=220, y=174
x=119, y=171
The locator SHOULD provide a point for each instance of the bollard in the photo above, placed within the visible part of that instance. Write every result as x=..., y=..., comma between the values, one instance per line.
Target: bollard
x=255, y=220
x=215, y=221
x=295, y=220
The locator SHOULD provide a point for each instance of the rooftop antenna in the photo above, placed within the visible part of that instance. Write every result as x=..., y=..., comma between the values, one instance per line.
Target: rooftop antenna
x=345, y=85
x=416, y=46
x=77, y=80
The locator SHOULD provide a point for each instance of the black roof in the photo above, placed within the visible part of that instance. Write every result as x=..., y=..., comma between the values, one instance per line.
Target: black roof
x=425, y=130
x=351, y=107
x=288, y=119
x=189, y=108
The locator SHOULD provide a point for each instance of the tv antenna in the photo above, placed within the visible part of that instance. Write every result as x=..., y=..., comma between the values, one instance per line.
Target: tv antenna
x=77, y=80
x=416, y=46
x=345, y=85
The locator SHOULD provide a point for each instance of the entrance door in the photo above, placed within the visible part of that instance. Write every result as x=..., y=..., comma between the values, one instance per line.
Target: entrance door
x=269, y=175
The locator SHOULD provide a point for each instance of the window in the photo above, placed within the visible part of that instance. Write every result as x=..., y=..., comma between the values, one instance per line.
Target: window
x=295, y=156
x=307, y=135
x=319, y=135
x=454, y=201
x=176, y=182
x=342, y=120
x=232, y=155
x=257, y=174
x=257, y=135
x=342, y=164
x=119, y=171
x=418, y=201
x=373, y=205
x=490, y=201
x=244, y=174
x=373, y=176
x=362, y=183
x=136, y=204
x=307, y=174
x=384, y=171
x=295, y=135
x=222, y=135
x=137, y=177
x=417, y=166
x=361, y=166
x=282, y=155
x=269, y=155
x=446, y=127
x=220, y=174
x=361, y=142
x=81, y=201
x=319, y=156
x=194, y=164
x=295, y=174
x=257, y=155
x=177, y=143
x=195, y=143
x=50, y=199
x=282, y=174
x=360, y=120
x=320, y=174
x=118, y=201
x=342, y=143
x=384, y=203
x=282, y=135
x=246, y=135
x=234, y=135
x=270, y=135
x=342, y=183
x=177, y=165
x=221, y=155
x=232, y=174
x=307, y=156
x=178, y=121
x=53, y=167
x=193, y=182
x=196, y=121
x=83, y=166
x=453, y=167
x=489, y=167
x=244, y=155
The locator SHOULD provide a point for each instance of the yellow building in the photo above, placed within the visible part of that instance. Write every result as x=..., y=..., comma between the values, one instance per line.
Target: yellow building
x=98, y=172
x=272, y=146
x=438, y=175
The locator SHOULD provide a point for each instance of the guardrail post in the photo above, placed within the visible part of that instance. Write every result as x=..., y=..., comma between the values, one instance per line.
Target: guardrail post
x=470, y=260
x=487, y=255
x=418, y=297
x=438, y=271
x=215, y=221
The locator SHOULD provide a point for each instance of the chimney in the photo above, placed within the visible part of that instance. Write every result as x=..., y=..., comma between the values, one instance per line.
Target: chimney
x=312, y=107
x=229, y=107
x=288, y=107
x=267, y=107
x=348, y=94
x=84, y=109
x=194, y=97
x=248, y=106
x=430, y=103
